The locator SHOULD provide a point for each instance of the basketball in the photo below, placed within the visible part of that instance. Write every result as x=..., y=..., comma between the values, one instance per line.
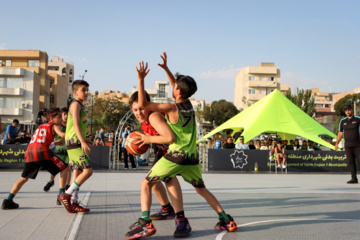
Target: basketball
x=132, y=145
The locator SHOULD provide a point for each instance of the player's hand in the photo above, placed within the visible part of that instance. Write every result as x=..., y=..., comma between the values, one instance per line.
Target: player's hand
x=142, y=71
x=336, y=147
x=143, y=139
x=59, y=142
x=164, y=58
x=85, y=148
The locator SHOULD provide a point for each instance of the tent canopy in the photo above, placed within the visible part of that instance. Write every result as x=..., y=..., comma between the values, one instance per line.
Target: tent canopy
x=275, y=113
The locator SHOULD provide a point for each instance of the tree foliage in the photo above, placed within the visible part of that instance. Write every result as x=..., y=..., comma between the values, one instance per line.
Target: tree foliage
x=339, y=105
x=219, y=112
x=304, y=100
x=108, y=113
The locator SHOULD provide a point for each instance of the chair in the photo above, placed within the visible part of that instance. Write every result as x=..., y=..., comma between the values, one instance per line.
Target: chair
x=272, y=157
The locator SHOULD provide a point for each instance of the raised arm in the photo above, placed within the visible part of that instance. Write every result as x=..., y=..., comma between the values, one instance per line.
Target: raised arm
x=155, y=107
x=167, y=70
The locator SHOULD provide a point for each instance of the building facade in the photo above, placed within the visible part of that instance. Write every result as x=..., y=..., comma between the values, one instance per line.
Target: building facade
x=160, y=93
x=254, y=82
x=59, y=94
x=64, y=69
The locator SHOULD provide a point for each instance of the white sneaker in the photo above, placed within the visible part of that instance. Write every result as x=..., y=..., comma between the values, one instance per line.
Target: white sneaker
x=283, y=166
x=278, y=166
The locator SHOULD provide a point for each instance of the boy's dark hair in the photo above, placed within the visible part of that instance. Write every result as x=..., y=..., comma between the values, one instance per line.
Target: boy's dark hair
x=77, y=83
x=102, y=128
x=97, y=138
x=186, y=84
x=64, y=110
x=16, y=121
x=53, y=112
x=135, y=97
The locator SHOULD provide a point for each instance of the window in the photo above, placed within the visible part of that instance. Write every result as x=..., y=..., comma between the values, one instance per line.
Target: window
x=251, y=78
x=270, y=78
x=7, y=63
x=262, y=78
x=14, y=82
x=250, y=104
x=2, y=102
x=12, y=103
x=63, y=71
x=269, y=91
x=251, y=91
x=161, y=90
x=51, y=98
x=33, y=63
x=2, y=83
x=51, y=83
x=70, y=71
x=262, y=91
x=70, y=80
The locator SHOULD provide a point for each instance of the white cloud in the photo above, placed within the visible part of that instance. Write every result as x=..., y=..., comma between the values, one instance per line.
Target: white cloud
x=225, y=73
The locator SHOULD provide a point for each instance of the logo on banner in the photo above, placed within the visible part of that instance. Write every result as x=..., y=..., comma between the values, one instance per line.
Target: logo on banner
x=239, y=159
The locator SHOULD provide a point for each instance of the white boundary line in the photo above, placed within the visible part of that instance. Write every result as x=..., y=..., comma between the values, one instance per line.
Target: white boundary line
x=220, y=235
x=77, y=221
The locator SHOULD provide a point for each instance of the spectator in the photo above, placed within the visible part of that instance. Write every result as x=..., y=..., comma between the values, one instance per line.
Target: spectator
x=111, y=137
x=102, y=135
x=10, y=133
x=300, y=141
x=285, y=144
x=273, y=145
x=280, y=155
x=251, y=145
x=270, y=139
x=91, y=139
x=229, y=143
x=98, y=142
x=228, y=135
x=304, y=145
x=241, y=145
x=257, y=144
x=23, y=138
x=126, y=154
x=264, y=145
x=296, y=145
x=217, y=141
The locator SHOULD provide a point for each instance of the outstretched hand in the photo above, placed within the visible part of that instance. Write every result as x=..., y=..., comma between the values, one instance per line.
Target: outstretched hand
x=142, y=71
x=164, y=58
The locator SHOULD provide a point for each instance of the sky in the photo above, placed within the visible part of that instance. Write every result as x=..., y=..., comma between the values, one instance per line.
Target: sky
x=316, y=44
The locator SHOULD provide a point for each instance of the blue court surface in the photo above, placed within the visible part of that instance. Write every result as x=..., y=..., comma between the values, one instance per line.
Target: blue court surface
x=264, y=206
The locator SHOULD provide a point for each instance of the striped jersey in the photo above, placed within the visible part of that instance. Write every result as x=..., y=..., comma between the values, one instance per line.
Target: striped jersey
x=38, y=148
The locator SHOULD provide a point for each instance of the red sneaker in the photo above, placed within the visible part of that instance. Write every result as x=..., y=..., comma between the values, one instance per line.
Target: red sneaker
x=79, y=209
x=65, y=201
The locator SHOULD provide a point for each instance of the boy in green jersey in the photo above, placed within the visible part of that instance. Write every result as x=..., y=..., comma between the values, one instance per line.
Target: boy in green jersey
x=77, y=147
x=181, y=159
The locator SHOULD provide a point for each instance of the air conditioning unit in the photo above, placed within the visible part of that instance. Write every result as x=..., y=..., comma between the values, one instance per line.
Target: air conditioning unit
x=24, y=105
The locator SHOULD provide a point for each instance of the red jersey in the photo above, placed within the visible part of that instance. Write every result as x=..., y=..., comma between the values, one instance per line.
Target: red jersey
x=38, y=149
x=147, y=128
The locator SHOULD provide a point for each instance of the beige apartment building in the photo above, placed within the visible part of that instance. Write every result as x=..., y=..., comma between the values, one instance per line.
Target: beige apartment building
x=59, y=94
x=254, y=82
x=64, y=69
x=33, y=60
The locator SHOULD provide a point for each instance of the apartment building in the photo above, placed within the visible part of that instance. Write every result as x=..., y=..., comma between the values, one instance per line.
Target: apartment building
x=254, y=82
x=64, y=69
x=160, y=93
x=59, y=94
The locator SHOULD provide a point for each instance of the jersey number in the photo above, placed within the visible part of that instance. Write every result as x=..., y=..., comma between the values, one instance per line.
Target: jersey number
x=39, y=136
x=188, y=118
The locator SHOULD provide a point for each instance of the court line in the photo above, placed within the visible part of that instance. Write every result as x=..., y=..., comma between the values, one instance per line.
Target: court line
x=78, y=218
x=220, y=235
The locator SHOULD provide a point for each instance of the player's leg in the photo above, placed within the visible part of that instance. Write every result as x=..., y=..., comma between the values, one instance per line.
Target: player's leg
x=50, y=183
x=193, y=175
x=166, y=211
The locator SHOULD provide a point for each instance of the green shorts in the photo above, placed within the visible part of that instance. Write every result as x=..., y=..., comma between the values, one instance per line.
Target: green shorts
x=164, y=170
x=78, y=160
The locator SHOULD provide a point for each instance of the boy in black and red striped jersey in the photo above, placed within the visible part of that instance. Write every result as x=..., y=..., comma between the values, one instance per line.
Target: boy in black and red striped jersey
x=39, y=155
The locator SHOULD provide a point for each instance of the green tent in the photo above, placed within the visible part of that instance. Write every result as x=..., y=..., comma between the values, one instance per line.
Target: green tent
x=275, y=113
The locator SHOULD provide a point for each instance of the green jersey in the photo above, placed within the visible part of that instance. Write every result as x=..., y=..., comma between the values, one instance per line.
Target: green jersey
x=72, y=140
x=60, y=151
x=184, y=150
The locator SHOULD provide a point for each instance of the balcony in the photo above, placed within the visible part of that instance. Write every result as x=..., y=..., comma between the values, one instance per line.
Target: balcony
x=12, y=91
x=263, y=84
x=11, y=111
x=12, y=71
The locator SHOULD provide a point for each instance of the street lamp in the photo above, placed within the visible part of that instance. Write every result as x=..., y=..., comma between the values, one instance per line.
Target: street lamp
x=92, y=108
x=82, y=77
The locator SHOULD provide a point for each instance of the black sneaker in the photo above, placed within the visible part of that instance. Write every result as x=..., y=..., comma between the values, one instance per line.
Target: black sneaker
x=57, y=200
x=163, y=214
x=228, y=225
x=9, y=204
x=48, y=186
x=183, y=228
x=141, y=228
x=353, y=181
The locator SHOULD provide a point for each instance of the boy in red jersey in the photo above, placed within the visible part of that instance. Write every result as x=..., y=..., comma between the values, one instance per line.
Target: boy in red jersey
x=39, y=155
x=153, y=124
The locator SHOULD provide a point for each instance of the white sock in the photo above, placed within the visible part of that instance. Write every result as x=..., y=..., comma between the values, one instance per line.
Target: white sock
x=74, y=187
